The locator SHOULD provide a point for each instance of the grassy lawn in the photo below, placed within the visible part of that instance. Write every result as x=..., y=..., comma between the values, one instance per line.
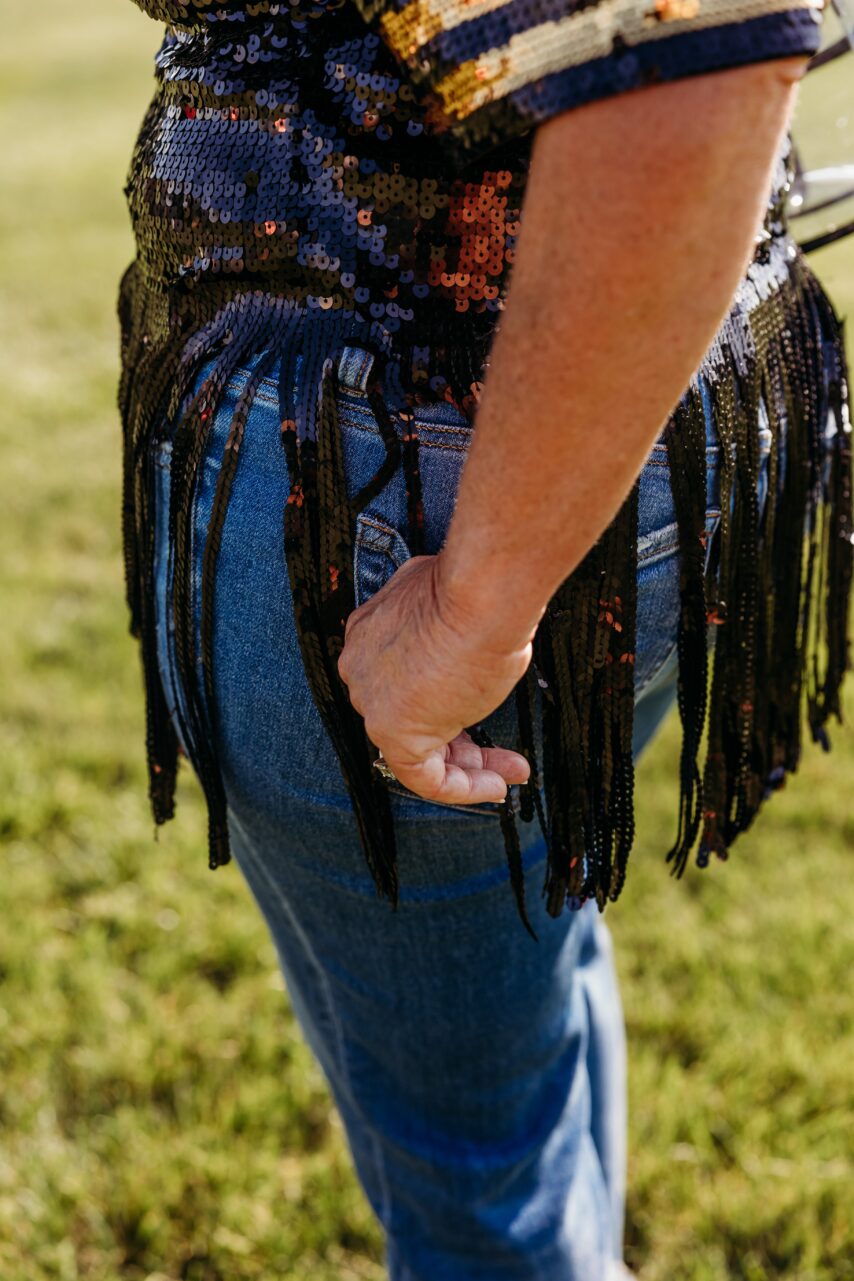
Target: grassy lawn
x=160, y=1117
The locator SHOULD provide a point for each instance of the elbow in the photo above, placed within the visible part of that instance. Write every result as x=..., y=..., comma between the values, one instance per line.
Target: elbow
x=789, y=71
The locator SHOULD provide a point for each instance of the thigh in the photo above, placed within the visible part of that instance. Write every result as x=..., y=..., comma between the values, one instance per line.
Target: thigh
x=454, y=949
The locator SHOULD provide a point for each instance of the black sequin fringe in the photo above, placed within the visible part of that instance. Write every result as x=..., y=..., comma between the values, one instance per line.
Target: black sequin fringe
x=773, y=591
x=777, y=590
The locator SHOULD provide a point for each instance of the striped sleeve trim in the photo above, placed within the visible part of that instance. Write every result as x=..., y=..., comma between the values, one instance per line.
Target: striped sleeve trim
x=589, y=36
x=480, y=27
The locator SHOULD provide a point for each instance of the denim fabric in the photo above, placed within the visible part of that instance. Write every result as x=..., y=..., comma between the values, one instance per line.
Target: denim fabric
x=480, y=1076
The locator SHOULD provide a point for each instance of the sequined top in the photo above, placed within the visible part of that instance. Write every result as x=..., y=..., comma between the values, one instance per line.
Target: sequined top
x=338, y=172
x=373, y=154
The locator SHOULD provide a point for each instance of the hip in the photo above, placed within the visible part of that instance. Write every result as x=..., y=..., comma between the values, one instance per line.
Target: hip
x=265, y=720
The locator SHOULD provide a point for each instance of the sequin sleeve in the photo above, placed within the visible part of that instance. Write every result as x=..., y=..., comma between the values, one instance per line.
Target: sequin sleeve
x=494, y=69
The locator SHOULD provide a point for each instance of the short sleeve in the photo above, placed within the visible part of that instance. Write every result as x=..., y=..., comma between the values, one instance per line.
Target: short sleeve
x=493, y=69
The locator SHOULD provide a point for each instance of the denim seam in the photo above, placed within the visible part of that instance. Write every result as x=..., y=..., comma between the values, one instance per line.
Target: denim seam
x=163, y=459
x=660, y=549
x=425, y=425
x=322, y=980
x=440, y=444
x=384, y=1214
x=196, y=572
x=639, y=689
x=379, y=525
x=651, y=549
x=365, y=361
x=238, y=385
x=238, y=381
x=352, y=422
x=661, y=447
x=449, y=428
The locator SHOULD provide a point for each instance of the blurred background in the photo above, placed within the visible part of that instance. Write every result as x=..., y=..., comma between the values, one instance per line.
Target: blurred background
x=160, y=1117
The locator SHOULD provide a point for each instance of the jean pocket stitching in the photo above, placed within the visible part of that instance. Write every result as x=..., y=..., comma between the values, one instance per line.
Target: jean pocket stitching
x=375, y=535
x=449, y=429
x=659, y=542
x=355, y=414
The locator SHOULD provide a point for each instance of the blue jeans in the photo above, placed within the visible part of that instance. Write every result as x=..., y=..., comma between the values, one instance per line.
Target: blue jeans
x=480, y=1076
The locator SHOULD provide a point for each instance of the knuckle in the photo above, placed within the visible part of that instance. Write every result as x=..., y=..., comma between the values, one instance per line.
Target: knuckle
x=430, y=788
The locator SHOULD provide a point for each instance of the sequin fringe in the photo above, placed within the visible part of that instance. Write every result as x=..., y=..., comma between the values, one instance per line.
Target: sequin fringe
x=773, y=591
x=778, y=587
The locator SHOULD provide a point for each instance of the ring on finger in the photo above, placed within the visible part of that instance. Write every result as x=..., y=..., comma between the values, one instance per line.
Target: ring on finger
x=384, y=770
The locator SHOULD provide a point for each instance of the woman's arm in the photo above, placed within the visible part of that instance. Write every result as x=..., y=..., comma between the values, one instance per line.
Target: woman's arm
x=638, y=223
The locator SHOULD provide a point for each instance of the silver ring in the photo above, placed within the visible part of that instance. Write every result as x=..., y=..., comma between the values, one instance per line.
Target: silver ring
x=383, y=769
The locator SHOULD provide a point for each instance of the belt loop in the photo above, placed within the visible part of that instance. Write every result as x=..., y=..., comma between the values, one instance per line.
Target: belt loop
x=354, y=368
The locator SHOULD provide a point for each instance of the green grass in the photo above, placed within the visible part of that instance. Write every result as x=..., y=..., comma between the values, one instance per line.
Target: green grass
x=160, y=1117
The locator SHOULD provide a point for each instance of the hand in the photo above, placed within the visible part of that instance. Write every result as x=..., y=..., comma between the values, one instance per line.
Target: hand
x=418, y=671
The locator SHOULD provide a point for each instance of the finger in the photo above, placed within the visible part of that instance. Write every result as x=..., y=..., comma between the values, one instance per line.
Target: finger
x=463, y=751
x=435, y=779
x=512, y=766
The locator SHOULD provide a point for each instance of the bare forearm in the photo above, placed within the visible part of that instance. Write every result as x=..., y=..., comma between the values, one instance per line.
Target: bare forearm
x=639, y=222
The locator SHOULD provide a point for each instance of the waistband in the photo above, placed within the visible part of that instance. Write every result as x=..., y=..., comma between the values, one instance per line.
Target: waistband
x=354, y=367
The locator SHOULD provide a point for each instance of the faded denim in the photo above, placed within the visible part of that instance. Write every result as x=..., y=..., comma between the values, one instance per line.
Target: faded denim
x=480, y=1076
